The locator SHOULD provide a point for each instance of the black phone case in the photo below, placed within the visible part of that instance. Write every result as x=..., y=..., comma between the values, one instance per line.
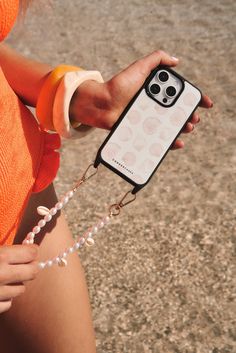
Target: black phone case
x=145, y=132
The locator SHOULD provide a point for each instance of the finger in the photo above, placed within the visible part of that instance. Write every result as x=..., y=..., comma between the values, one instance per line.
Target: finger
x=21, y=273
x=5, y=305
x=8, y=292
x=151, y=61
x=206, y=102
x=188, y=128
x=177, y=145
x=195, y=119
x=19, y=254
x=145, y=65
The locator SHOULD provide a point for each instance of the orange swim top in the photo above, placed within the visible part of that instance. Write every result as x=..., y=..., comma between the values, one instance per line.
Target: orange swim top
x=28, y=160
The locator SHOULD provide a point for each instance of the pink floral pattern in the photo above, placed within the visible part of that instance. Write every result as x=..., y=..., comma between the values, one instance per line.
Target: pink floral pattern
x=140, y=141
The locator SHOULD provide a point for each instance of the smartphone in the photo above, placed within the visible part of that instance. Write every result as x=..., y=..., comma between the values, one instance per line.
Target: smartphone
x=148, y=126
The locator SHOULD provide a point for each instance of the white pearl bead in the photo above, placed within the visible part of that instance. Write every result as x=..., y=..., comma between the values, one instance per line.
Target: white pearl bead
x=65, y=199
x=71, y=250
x=101, y=224
x=41, y=265
x=53, y=211
x=26, y=241
x=31, y=241
x=81, y=241
x=64, y=254
x=76, y=246
x=59, y=205
x=70, y=194
x=95, y=229
x=49, y=263
x=30, y=235
x=56, y=260
x=36, y=229
x=106, y=219
x=41, y=223
x=48, y=218
x=89, y=235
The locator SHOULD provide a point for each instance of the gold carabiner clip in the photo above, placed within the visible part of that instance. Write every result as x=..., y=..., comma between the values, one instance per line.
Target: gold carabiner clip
x=85, y=177
x=114, y=210
x=122, y=204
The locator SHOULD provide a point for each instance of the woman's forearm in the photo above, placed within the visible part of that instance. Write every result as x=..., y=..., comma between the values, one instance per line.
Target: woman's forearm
x=25, y=76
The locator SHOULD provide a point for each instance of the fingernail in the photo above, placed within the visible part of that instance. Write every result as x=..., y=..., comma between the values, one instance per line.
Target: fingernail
x=174, y=58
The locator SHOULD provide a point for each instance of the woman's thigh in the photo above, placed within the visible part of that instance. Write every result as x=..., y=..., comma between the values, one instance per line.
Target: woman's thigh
x=53, y=315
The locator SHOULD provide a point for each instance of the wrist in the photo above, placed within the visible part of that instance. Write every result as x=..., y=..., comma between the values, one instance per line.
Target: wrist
x=78, y=102
x=89, y=100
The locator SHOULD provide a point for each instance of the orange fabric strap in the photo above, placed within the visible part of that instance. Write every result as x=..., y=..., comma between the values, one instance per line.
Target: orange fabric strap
x=44, y=107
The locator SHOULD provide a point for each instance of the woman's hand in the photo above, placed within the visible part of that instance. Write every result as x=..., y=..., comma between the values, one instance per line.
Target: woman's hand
x=100, y=104
x=17, y=265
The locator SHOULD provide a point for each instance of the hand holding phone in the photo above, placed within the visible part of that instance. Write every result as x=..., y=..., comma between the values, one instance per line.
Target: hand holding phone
x=100, y=105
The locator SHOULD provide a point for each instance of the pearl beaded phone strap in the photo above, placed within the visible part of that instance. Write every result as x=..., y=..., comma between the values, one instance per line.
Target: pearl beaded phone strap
x=87, y=237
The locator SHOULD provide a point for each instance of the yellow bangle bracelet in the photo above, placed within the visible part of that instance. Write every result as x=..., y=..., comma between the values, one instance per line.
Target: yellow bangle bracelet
x=44, y=107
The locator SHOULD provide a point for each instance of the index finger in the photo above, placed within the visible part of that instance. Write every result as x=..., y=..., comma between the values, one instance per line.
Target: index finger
x=145, y=65
x=151, y=61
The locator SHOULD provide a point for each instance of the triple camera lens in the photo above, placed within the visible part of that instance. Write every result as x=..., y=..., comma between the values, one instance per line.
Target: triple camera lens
x=164, y=89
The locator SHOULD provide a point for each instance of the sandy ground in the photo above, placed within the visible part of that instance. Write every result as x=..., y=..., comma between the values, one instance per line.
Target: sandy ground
x=161, y=277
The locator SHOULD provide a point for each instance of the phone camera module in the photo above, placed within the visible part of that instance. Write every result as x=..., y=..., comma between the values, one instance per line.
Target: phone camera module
x=171, y=91
x=163, y=76
x=155, y=88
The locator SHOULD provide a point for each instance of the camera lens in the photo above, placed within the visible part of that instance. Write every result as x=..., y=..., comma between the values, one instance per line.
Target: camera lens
x=171, y=91
x=155, y=89
x=163, y=76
